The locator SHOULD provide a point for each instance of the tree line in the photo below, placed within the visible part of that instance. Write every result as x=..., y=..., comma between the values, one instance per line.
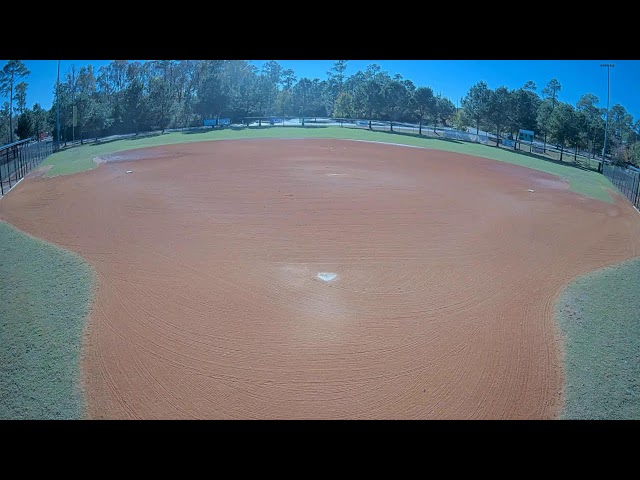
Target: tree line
x=134, y=96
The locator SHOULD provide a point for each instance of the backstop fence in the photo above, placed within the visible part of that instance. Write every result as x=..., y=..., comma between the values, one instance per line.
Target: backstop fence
x=626, y=180
x=19, y=158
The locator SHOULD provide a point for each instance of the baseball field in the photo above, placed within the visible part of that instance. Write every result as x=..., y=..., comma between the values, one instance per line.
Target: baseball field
x=316, y=276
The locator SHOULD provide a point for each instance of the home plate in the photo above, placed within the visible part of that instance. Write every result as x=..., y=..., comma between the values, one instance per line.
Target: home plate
x=129, y=171
x=327, y=276
x=531, y=190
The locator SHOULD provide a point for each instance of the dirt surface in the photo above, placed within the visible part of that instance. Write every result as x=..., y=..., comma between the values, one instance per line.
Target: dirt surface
x=39, y=172
x=209, y=304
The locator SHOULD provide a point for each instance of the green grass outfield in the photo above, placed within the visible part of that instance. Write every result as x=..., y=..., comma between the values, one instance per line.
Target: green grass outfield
x=599, y=315
x=586, y=182
x=45, y=295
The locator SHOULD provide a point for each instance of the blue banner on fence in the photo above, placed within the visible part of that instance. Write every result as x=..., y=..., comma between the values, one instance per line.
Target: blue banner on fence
x=273, y=120
x=210, y=122
x=224, y=121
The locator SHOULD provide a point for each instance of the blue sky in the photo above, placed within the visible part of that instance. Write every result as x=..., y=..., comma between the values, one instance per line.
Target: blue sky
x=451, y=78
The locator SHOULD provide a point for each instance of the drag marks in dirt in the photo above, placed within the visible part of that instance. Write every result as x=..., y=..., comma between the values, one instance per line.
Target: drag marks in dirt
x=209, y=303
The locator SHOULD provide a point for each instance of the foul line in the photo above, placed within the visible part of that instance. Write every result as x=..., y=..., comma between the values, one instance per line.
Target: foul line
x=12, y=187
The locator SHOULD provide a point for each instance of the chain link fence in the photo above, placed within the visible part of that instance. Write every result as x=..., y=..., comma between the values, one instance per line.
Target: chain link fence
x=626, y=180
x=19, y=158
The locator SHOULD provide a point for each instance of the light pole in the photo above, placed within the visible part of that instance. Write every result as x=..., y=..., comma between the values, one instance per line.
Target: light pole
x=58, y=105
x=606, y=128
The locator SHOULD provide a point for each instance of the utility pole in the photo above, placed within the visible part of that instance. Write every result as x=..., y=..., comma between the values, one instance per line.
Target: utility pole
x=606, y=128
x=58, y=105
x=73, y=102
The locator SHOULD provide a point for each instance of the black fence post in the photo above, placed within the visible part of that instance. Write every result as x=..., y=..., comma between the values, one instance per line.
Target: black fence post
x=8, y=171
x=21, y=163
x=626, y=184
x=15, y=166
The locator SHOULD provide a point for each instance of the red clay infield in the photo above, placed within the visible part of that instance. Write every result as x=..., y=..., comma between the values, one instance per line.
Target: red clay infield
x=209, y=304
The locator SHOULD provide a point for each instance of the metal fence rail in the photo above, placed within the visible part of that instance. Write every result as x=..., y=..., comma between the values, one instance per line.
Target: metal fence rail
x=627, y=181
x=19, y=158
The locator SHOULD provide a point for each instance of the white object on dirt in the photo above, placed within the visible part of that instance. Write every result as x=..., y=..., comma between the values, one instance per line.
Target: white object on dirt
x=129, y=171
x=327, y=276
x=531, y=190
